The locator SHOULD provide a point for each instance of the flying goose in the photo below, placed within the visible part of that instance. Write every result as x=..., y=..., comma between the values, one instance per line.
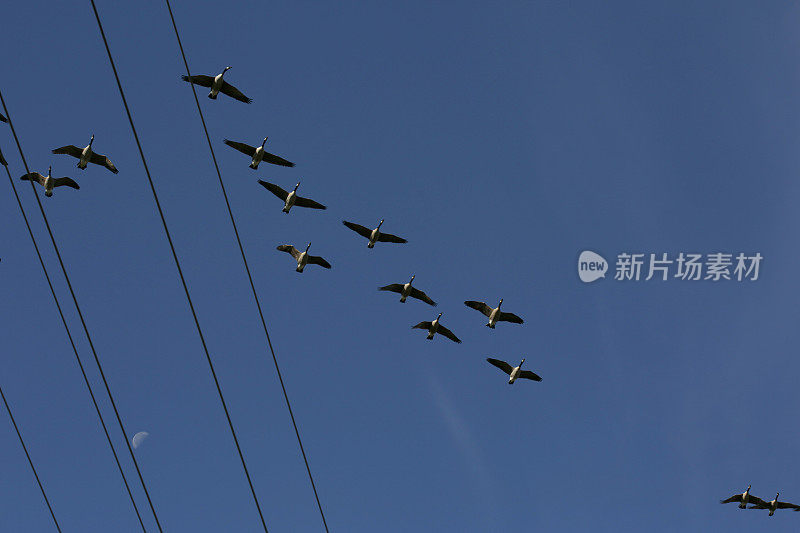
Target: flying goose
x=303, y=258
x=744, y=498
x=86, y=155
x=774, y=505
x=218, y=85
x=49, y=182
x=435, y=327
x=291, y=198
x=514, y=373
x=374, y=235
x=406, y=290
x=495, y=315
x=258, y=154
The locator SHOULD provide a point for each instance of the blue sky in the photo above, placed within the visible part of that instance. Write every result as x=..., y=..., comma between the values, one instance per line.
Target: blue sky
x=501, y=142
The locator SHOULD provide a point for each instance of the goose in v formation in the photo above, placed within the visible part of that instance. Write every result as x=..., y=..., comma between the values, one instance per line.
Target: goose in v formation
x=744, y=498
x=514, y=373
x=49, y=182
x=303, y=258
x=405, y=290
x=258, y=154
x=436, y=327
x=87, y=155
x=217, y=85
x=774, y=505
x=495, y=315
x=290, y=198
x=374, y=235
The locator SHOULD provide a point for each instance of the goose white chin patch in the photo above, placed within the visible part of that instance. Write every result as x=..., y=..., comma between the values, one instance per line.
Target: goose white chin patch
x=591, y=266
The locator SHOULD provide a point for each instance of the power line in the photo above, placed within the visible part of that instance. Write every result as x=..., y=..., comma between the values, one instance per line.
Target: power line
x=83, y=321
x=247, y=268
x=178, y=265
x=72, y=343
x=22, y=442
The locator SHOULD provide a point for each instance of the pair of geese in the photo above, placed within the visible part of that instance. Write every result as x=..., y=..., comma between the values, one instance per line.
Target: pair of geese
x=84, y=156
x=757, y=503
x=303, y=258
x=217, y=85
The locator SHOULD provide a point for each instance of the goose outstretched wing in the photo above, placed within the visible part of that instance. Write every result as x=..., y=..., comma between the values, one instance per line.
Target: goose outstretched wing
x=447, y=333
x=33, y=176
x=103, y=161
x=289, y=249
x=234, y=93
x=787, y=505
x=755, y=500
x=502, y=365
x=275, y=160
x=308, y=202
x=423, y=325
x=274, y=189
x=394, y=287
x=509, y=317
x=419, y=295
x=242, y=147
x=69, y=182
x=69, y=149
x=388, y=237
x=358, y=228
x=735, y=498
x=199, y=79
x=527, y=374
x=317, y=260
x=479, y=306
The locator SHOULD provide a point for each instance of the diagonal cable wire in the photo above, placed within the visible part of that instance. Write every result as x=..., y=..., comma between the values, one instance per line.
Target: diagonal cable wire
x=75, y=351
x=19, y=435
x=247, y=269
x=178, y=265
x=80, y=315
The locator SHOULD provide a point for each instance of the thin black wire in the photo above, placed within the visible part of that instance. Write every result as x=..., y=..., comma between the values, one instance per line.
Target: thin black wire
x=19, y=435
x=74, y=349
x=80, y=315
x=178, y=265
x=247, y=268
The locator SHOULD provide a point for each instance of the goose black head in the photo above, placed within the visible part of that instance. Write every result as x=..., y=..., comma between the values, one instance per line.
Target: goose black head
x=226, y=69
x=440, y=316
x=412, y=278
x=501, y=303
x=296, y=186
x=91, y=140
x=264, y=142
x=307, y=247
x=748, y=488
x=380, y=223
x=523, y=360
x=49, y=171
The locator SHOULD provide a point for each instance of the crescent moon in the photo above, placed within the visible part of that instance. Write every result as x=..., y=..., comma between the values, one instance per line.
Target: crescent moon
x=139, y=438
